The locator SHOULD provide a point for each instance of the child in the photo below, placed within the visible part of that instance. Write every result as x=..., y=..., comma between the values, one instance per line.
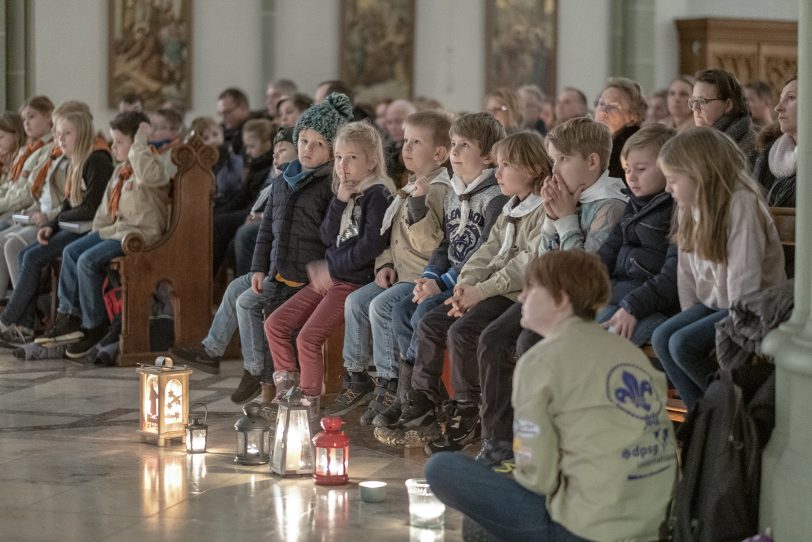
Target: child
x=229, y=166
x=728, y=247
x=290, y=108
x=12, y=139
x=583, y=203
x=488, y=285
x=586, y=402
x=352, y=232
x=641, y=261
x=414, y=221
x=288, y=239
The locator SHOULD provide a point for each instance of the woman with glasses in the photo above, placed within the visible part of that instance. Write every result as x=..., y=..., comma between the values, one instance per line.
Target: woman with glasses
x=680, y=115
x=506, y=107
x=718, y=101
x=622, y=108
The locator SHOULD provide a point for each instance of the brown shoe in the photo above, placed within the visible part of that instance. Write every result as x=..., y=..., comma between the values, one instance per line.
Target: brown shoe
x=268, y=393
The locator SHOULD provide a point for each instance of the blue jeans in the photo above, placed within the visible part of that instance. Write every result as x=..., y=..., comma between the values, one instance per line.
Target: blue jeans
x=499, y=504
x=33, y=259
x=405, y=317
x=83, y=270
x=642, y=331
x=683, y=345
x=368, y=314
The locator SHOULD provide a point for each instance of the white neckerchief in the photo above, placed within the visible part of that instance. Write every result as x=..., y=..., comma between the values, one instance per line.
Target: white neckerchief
x=460, y=189
x=346, y=215
x=440, y=176
x=783, y=157
x=511, y=210
x=605, y=187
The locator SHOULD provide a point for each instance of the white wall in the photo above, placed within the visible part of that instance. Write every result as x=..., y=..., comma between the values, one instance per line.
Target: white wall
x=583, y=45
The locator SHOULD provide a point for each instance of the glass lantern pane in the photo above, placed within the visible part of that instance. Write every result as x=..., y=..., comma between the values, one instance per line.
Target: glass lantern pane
x=173, y=402
x=254, y=443
x=149, y=408
x=299, y=455
x=199, y=440
x=279, y=437
x=240, y=443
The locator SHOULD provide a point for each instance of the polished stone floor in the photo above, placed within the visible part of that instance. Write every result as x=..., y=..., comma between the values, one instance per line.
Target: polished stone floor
x=73, y=468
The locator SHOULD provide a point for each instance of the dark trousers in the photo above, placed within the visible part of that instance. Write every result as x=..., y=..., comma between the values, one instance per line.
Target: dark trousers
x=225, y=228
x=244, y=242
x=501, y=344
x=436, y=329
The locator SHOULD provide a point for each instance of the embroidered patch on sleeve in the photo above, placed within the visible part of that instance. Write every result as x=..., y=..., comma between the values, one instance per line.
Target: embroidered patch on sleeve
x=525, y=428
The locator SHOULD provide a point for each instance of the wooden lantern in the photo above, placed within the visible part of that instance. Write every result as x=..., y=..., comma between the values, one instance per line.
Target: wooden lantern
x=164, y=402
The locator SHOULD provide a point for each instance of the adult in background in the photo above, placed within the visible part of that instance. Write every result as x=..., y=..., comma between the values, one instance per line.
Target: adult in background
x=532, y=100
x=233, y=109
x=274, y=93
x=570, y=103
x=760, y=100
x=622, y=108
x=505, y=106
x=680, y=114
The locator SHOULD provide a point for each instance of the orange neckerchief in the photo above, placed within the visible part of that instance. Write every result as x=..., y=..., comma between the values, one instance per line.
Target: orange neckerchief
x=26, y=153
x=99, y=144
x=124, y=173
x=39, y=182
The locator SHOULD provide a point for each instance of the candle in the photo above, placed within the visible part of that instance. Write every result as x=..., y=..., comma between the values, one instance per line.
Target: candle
x=425, y=510
x=293, y=456
x=372, y=491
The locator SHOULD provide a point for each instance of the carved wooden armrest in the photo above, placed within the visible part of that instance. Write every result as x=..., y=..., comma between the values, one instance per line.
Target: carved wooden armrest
x=133, y=243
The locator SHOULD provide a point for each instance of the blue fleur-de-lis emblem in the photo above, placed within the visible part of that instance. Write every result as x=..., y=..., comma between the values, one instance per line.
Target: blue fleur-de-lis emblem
x=635, y=391
x=629, y=387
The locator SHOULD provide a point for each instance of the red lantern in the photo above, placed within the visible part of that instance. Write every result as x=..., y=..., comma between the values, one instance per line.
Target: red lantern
x=332, y=453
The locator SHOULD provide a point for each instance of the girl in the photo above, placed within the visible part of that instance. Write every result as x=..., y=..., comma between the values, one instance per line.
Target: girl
x=351, y=231
x=728, y=247
x=504, y=104
x=680, y=116
x=12, y=138
x=622, y=108
x=90, y=168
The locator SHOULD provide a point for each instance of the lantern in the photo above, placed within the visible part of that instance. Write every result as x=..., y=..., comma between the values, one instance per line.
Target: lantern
x=332, y=453
x=253, y=436
x=293, y=449
x=164, y=400
x=197, y=433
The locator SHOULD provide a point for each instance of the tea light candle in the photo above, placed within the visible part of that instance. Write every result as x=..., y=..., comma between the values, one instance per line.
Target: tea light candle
x=372, y=491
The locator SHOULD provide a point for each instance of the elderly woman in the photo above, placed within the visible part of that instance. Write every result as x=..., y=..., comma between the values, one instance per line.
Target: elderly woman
x=718, y=101
x=776, y=165
x=680, y=115
x=622, y=108
x=506, y=107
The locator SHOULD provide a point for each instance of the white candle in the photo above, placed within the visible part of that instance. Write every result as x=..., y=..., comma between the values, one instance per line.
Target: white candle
x=293, y=456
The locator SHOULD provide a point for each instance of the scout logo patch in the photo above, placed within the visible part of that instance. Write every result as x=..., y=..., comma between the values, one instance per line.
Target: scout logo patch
x=630, y=389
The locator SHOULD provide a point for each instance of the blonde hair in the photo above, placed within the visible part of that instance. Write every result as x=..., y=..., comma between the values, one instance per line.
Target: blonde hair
x=83, y=124
x=526, y=151
x=718, y=167
x=201, y=125
x=651, y=137
x=511, y=100
x=363, y=134
x=584, y=136
x=437, y=121
x=637, y=102
x=263, y=129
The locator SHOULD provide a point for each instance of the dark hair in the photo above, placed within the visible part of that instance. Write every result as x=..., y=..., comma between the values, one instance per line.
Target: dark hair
x=300, y=101
x=173, y=116
x=580, y=93
x=131, y=98
x=727, y=88
x=336, y=85
x=762, y=89
x=41, y=104
x=235, y=94
x=127, y=123
x=480, y=127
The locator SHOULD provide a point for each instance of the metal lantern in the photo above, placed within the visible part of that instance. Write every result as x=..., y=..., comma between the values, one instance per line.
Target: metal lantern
x=332, y=453
x=253, y=436
x=164, y=400
x=293, y=449
x=197, y=433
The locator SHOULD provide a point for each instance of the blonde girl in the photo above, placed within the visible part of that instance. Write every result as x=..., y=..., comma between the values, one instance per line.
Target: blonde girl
x=728, y=247
x=351, y=230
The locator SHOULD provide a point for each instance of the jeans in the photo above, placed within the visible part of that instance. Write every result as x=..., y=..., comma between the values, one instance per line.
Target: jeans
x=405, y=317
x=683, y=345
x=244, y=241
x=82, y=276
x=368, y=315
x=499, y=504
x=641, y=335
x=33, y=259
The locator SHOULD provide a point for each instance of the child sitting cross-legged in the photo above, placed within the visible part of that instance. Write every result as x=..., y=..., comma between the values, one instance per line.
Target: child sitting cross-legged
x=586, y=402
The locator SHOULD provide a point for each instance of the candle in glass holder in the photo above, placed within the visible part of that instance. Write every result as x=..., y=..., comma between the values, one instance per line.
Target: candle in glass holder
x=425, y=510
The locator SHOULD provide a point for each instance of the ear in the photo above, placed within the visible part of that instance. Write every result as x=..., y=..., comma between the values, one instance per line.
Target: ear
x=564, y=302
x=594, y=161
x=487, y=159
x=728, y=105
x=440, y=154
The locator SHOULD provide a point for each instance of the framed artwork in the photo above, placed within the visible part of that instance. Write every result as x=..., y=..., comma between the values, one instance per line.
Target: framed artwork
x=521, y=44
x=149, y=51
x=377, y=48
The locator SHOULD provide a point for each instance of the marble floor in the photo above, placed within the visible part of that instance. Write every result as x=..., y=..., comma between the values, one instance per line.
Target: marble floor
x=73, y=468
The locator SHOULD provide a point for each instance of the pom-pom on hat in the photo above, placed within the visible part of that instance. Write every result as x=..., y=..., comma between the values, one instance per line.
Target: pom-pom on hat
x=325, y=117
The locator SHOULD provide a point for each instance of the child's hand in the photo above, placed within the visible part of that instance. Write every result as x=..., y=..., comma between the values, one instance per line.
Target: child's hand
x=144, y=132
x=43, y=234
x=319, y=275
x=421, y=187
x=385, y=277
x=39, y=219
x=256, y=281
x=623, y=322
x=424, y=289
x=345, y=190
x=465, y=296
x=558, y=200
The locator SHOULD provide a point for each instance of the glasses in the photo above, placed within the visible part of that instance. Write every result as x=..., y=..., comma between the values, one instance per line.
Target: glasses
x=608, y=108
x=495, y=110
x=698, y=103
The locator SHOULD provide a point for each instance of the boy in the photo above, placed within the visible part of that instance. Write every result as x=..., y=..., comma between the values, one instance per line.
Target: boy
x=586, y=403
x=229, y=166
x=414, y=221
x=641, y=261
x=470, y=209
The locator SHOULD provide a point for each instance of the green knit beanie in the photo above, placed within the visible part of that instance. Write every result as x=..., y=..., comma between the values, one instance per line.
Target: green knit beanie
x=325, y=117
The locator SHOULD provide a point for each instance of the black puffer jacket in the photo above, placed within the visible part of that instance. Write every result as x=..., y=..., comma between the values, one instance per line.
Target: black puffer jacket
x=618, y=140
x=641, y=261
x=288, y=237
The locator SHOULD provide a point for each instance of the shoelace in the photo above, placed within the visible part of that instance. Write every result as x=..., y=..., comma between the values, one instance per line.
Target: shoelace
x=505, y=467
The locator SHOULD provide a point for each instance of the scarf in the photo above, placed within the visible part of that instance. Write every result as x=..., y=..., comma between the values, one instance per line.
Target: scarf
x=39, y=182
x=514, y=210
x=295, y=173
x=464, y=194
x=439, y=176
x=124, y=173
x=346, y=229
x=25, y=154
x=735, y=127
x=605, y=187
x=783, y=157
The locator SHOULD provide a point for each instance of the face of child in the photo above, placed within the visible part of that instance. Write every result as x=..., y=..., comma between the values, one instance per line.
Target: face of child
x=121, y=144
x=161, y=129
x=466, y=158
x=67, y=136
x=7, y=142
x=643, y=175
x=213, y=136
x=681, y=187
x=283, y=153
x=574, y=169
x=288, y=114
x=713, y=108
x=420, y=156
x=35, y=123
x=313, y=149
x=539, y=309
x=254, y=146
x=352, y=165
x=513, y=180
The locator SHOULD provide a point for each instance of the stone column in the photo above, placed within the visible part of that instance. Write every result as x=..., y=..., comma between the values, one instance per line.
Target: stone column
x=786, y=481
x=16, y=44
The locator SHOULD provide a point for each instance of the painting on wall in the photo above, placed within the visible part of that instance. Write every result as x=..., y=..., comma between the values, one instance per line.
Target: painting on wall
x=521, y=44
x=377, y=48
x=150, y=52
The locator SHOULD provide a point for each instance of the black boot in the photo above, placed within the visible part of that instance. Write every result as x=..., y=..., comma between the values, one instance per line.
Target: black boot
x=384, y=397
x=389, y=416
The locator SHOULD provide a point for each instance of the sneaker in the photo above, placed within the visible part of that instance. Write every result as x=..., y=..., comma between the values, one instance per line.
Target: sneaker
x=493, y=452
x=416, y=426
x=390, y=415
x=67, y=328
x=197, y=357
x=284, y=381
x=462, y=426
x=356, y=390
x=384, y=397
x=90, y=338
x=250, y=386
x=14, y=336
